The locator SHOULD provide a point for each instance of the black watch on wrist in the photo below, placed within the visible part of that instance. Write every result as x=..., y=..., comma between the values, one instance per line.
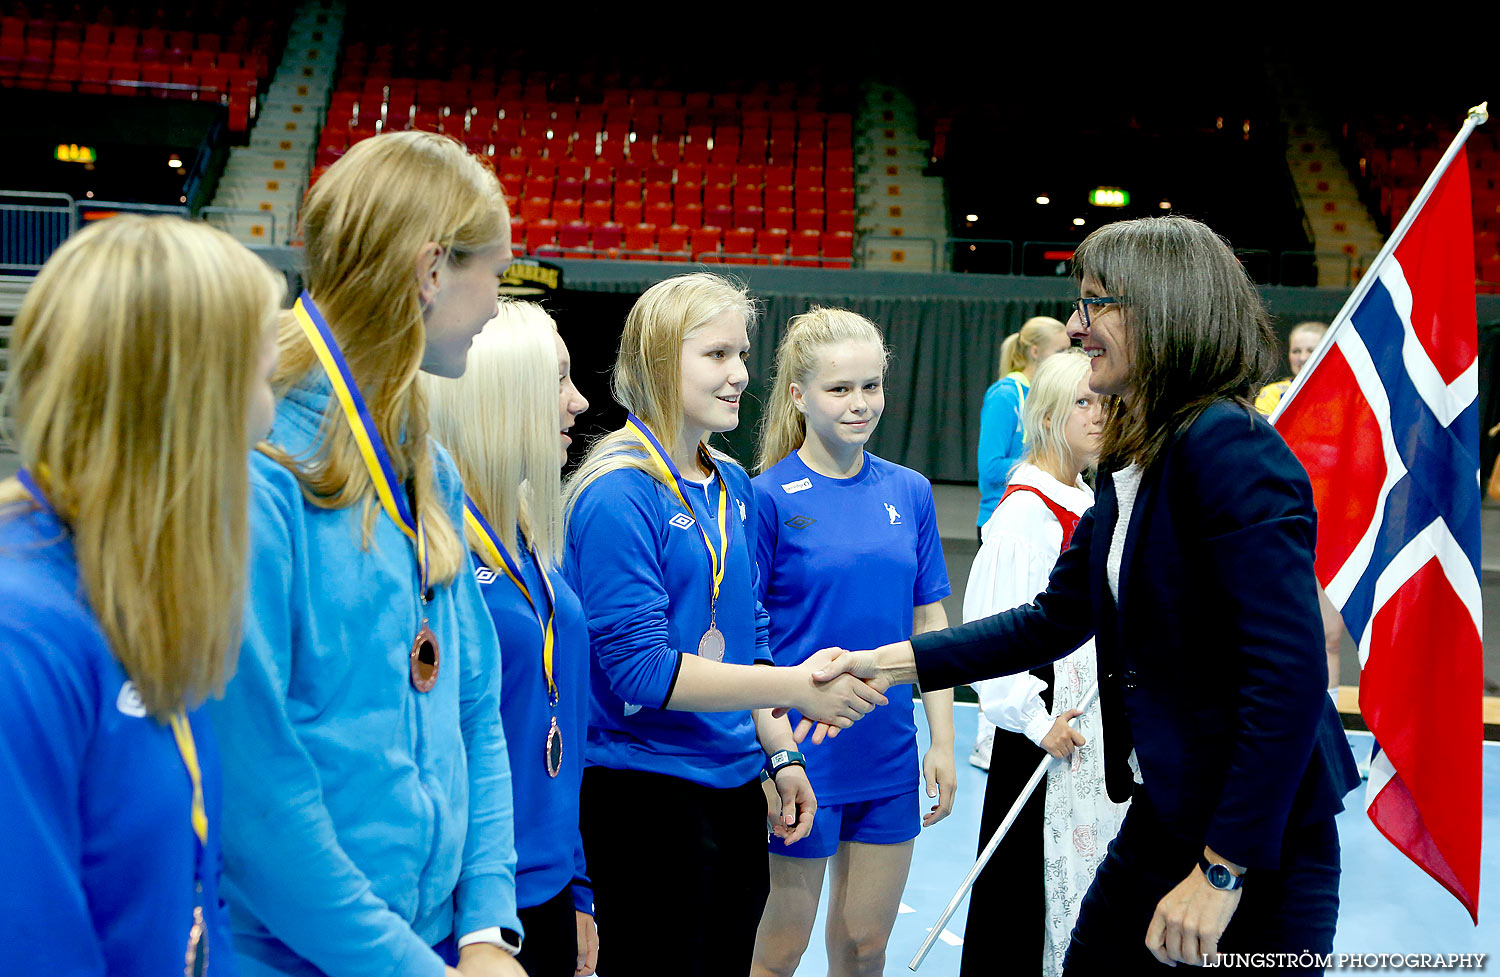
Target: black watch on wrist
x=782, y=759
x=1219, y=875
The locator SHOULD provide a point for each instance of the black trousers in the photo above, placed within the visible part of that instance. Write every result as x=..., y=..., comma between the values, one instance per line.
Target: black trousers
x=551, y=945
x=680, y=872
x=1008, y=903
x=1292, y=909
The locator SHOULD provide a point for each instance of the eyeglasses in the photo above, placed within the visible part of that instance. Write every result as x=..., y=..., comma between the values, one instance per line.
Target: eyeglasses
x=1081, y=306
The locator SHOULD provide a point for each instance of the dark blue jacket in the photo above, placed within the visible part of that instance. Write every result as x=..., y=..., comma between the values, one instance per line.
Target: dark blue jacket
x=1212, y=665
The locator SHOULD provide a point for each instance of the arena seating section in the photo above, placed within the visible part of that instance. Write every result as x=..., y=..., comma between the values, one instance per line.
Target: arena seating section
x=606, y=168
x=1394, y=154
x=189, y=51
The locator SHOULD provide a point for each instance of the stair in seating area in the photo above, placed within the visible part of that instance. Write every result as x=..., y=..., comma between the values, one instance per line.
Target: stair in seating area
x=1345, y=238
x=260, y=192
x=902, y=216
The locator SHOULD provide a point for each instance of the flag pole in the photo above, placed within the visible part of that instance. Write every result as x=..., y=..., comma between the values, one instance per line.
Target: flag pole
x=1477, y=116
x=995, y=839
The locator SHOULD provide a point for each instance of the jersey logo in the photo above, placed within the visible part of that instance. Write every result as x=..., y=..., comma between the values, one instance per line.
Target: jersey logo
x=799, y=522
x=630, y=709
x=800, y=485
x=129, y=701
x=682, y=521
x=484, y=575
x=742, y=510
x=890, y=510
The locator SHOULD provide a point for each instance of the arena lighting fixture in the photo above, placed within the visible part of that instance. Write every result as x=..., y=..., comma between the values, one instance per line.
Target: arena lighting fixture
x=971, y=218
x=1044, y=200
x=174, y=162
x=1109, y=197
x=1078, y=222
x=1165, y=205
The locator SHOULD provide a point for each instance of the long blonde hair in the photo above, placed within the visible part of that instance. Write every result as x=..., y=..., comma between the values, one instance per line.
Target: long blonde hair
x=364, y=223
x=500, y=421
x=784, y=427
x=647, y=378
x=1043, y=416
x=1015, y=351
x=132, y=366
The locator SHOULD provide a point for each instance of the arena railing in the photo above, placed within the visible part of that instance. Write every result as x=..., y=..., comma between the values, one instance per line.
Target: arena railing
x=32, y=225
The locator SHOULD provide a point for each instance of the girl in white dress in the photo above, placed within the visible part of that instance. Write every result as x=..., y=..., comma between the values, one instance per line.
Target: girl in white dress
x=1025, y=903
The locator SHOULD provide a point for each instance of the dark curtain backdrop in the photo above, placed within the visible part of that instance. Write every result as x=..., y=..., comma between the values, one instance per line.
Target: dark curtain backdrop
x=944, y=355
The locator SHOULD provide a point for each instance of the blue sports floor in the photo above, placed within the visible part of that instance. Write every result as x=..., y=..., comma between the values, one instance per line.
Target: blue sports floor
x=1388, y=905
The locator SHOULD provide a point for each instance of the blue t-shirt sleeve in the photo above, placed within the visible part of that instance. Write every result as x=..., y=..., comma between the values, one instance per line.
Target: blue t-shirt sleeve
x=750, y=530
x=616, y=563
x=932, y=570
x=999, y=433
x=764, y=528
x=583, y=888
x=45, y=724
x=280, y=848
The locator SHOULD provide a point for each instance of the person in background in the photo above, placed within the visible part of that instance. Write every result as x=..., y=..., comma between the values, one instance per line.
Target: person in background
x=1025, y=902
x=683, y=718
x=826, y=503
x=1002, y=441
x=367, y=787
x=506, y=421
x=1303, y=340
x=139, y=379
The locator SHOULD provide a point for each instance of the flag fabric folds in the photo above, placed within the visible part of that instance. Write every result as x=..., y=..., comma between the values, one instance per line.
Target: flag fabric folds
x=1386, y=421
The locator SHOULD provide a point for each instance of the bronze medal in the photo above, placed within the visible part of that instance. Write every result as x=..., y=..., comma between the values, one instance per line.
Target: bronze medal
x=424, y=659
x=711, y=645
x=554, y=749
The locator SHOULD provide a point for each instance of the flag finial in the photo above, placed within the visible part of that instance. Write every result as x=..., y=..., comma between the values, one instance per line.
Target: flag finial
x=1480, y=113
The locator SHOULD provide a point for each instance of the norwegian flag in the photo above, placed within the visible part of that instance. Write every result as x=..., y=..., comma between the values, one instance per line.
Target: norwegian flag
x=1385, y=419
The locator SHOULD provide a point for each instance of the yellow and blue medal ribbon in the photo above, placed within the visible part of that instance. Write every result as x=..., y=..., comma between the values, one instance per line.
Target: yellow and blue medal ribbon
x=713, y=640
x=366, y=435
x=498, y=556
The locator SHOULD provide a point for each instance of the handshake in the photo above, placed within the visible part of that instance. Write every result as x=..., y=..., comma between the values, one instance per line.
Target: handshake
x=836, y=687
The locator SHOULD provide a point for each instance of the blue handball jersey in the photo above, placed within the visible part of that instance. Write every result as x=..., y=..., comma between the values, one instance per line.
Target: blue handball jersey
x=842, y=562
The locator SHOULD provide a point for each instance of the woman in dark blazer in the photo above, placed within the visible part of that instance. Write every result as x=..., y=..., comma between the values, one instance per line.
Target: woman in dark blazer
x=1194, y=571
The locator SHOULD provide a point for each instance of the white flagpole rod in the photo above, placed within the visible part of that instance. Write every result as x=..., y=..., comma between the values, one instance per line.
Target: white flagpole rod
x=996, y=838
x=1478, y=115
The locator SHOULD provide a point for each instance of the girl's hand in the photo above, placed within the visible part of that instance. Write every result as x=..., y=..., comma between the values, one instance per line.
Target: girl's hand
x=941, y=776
x=790, y=804
x=1061, y=740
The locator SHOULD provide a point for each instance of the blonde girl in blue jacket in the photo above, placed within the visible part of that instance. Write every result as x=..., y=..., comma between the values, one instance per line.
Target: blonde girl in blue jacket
x=138, y=382
x=367, y=790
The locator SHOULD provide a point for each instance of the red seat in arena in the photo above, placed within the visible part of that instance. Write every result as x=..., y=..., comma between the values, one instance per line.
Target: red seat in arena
x=540, y=233
x=739, y=246
x=772, y=243
x=672, y=241
x=705, y=240
x=641, y=237
x=806, y=248
x=607, y=237
x=838, y=249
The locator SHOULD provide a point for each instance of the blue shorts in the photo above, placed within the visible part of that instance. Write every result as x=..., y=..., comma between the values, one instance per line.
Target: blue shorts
x=882, y=821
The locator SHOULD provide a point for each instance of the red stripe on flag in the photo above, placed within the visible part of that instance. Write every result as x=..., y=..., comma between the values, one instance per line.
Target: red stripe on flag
x=1437, y=258
x=1333, y=432
x=1421, y=695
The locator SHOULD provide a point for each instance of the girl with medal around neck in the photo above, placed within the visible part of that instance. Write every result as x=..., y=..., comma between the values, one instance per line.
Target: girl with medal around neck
x=506, y=422
x=826, y=505
x=366, y=778
x=682, y=720
x=139, y=369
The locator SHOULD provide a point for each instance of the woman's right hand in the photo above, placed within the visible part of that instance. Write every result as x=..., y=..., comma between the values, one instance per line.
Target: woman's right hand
x=1061, y=740
x=838, y=702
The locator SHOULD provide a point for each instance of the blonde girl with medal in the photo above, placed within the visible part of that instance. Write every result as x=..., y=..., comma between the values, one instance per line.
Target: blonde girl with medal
x=682, y=723
x=506, y=421
x=848, y=551
x=139, y=367
x=366, y=779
